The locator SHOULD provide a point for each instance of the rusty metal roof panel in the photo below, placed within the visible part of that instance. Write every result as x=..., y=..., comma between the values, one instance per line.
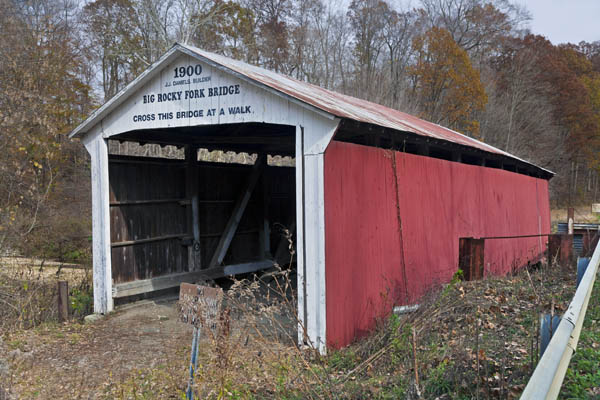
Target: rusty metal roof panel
x=311, y=96
x=344, y=106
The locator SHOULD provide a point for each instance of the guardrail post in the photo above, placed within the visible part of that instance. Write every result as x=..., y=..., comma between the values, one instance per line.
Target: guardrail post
x=548, y=325
x=582, y=264
x=560, y=248
x=470, y=258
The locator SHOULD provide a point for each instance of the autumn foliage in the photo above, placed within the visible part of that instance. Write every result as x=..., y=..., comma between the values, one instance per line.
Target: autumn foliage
x=43, y=92
x=448, y=88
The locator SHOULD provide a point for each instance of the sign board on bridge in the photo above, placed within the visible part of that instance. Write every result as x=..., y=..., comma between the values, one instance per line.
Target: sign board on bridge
x=596, y=208
x=199, y=305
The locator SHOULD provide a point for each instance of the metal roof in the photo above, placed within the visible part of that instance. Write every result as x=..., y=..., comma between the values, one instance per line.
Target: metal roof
x=330, y=102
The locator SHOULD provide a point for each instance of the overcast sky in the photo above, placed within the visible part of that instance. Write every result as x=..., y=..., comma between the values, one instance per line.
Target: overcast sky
x=563, y=21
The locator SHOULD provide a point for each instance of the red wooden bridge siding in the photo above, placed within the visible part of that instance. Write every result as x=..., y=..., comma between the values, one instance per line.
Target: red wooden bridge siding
x=363, y=255
x=438, y=201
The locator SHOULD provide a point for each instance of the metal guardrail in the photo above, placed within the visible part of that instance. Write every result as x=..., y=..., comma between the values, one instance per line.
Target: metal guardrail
x=546, y=381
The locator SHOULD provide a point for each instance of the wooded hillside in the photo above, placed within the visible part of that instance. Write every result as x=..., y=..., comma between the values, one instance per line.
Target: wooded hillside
x=470, y=65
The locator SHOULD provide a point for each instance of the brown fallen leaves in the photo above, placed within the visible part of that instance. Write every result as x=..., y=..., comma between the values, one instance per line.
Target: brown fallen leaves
x=476, y=338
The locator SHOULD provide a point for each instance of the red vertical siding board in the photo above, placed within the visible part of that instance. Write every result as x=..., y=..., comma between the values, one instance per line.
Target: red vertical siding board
x=361, y=236
x=439, y=201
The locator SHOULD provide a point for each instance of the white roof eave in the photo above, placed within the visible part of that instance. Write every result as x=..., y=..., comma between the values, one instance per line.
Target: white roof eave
x=120, y=97
x=155, y=69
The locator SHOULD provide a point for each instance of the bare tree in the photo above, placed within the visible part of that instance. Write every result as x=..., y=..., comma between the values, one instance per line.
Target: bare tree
x=478, y=26
x=368, y=20
x=519, y=114
x=398, y=32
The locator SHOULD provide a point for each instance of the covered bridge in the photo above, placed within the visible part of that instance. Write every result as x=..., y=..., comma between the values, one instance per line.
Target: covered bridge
x=377, y=199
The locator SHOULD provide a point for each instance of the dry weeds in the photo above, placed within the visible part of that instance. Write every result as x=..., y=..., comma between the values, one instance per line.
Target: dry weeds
x=28, y=292
x=471, y=340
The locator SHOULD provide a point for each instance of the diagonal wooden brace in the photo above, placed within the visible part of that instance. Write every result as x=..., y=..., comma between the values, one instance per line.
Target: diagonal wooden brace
x=238, y=212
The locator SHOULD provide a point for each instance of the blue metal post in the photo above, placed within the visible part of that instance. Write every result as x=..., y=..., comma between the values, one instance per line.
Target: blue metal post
x=582, y=263
x=548, y=326
x=193, y=363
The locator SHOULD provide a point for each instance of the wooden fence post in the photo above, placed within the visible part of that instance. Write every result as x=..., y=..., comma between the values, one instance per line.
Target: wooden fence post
x=570, y=220
x=63, y=301
x=470, y=258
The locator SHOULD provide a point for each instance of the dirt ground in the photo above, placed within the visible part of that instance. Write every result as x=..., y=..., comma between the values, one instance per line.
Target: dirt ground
x=141, y=350
x=88, y=361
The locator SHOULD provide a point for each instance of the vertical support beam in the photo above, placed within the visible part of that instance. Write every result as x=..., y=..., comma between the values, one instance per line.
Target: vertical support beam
x=314, y=257
x=238, y=212
x=300, y=247
x=311, y=143
x=264, y=227
x=102, y=270
x=456, y=156
x=471, y=258
x=193, y=212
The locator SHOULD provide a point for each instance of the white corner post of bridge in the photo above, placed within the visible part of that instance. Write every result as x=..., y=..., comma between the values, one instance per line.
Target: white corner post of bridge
x=546, y=381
